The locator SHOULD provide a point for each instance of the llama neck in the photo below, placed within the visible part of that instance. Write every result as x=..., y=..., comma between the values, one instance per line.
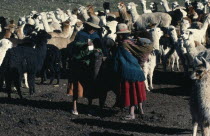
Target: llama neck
x=155, y=41
x=190, y=47
x=205, y=25
x=174, y=36
x=205, y=9
x=73, y=35
x=143, y=3
x=124, y=14
x=7, y=34
x=20, y=33
x=85, y=15
x=36, y=22
x=165, y=6
x=66, y=30
x=134, y=14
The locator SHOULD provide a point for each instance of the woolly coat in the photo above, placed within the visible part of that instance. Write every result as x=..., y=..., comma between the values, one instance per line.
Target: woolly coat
x=153, y=18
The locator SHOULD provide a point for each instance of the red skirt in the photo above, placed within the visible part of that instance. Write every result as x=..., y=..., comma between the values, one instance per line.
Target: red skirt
x=132, y=93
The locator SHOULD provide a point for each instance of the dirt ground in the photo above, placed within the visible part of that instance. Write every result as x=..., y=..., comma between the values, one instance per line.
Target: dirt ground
x=47, y=113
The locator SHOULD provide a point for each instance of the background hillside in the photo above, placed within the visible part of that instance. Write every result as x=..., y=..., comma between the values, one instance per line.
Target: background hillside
x=13, y=9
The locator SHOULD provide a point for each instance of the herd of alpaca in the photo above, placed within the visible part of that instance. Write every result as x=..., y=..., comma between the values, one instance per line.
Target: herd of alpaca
x=39, y=43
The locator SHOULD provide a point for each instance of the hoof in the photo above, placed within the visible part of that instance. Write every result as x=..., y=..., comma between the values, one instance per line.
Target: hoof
x=148, y=89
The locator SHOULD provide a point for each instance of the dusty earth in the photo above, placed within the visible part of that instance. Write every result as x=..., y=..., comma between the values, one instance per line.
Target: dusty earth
x=47, y=113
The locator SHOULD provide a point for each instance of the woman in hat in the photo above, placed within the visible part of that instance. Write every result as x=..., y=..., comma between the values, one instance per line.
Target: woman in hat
x=86, y=43
x=131, y=77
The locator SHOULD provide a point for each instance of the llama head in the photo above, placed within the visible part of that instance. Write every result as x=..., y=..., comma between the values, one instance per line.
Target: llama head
x=174, y=4
x=200, y=6
x=5, y=43
x=33, y=12
x=11, y=28
x=186, y=35
x=172, y=31
x=121, y=6
x=21, y=20
x=51, y=15
x=81, y=10
x=79, y=26
x=156, y=32
x=153, y=6
x=187, y=1
x=90, y=9
x=201, y=68
x=131, y=5
x=185, y=23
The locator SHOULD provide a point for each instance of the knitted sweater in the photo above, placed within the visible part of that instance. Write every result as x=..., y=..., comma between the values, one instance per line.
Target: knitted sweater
x=80, y=50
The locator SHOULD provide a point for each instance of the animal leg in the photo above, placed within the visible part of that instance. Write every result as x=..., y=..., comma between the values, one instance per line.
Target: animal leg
x=1, y=82
x=31, y=82
x=52, y=77
x=177, y=64
x=195, y=128
x=151, y=78
x=43, y=75
x=17, y=83
x=8, y=87
x=172, y=66
x=26, y=81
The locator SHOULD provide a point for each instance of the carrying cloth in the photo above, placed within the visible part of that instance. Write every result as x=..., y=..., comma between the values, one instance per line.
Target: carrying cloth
x=141, y=52
x=127, y=66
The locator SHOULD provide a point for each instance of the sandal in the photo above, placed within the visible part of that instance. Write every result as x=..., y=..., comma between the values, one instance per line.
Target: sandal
x=129, y=117
x=74, y=112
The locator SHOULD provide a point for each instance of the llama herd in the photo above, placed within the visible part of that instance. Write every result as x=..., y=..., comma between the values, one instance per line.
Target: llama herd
x=39, y=43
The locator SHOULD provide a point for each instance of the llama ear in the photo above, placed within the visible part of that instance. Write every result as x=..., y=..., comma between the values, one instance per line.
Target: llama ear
x=205, y=63
x=197, y=61
x=136, y=5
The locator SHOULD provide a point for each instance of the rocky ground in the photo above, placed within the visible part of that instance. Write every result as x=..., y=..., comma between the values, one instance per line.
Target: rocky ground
x=47, y=113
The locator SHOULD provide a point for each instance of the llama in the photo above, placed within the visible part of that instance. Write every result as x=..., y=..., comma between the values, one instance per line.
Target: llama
x=150, y=65
x=142, y=21
x=174, y=38
x=23, y=59
x=199, y=100
x=65, y=32
x=189, y=43
x=176, y=14
x=10, y=29
x=200, y=34
x=124, y=16
x=145, y=10
x=61, y=42
x=52, y=63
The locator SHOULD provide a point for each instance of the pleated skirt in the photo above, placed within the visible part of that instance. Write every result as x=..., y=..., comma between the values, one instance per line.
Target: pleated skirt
x=132, y=93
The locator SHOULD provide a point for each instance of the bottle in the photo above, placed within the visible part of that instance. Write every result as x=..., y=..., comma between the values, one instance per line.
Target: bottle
x=90, y=45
